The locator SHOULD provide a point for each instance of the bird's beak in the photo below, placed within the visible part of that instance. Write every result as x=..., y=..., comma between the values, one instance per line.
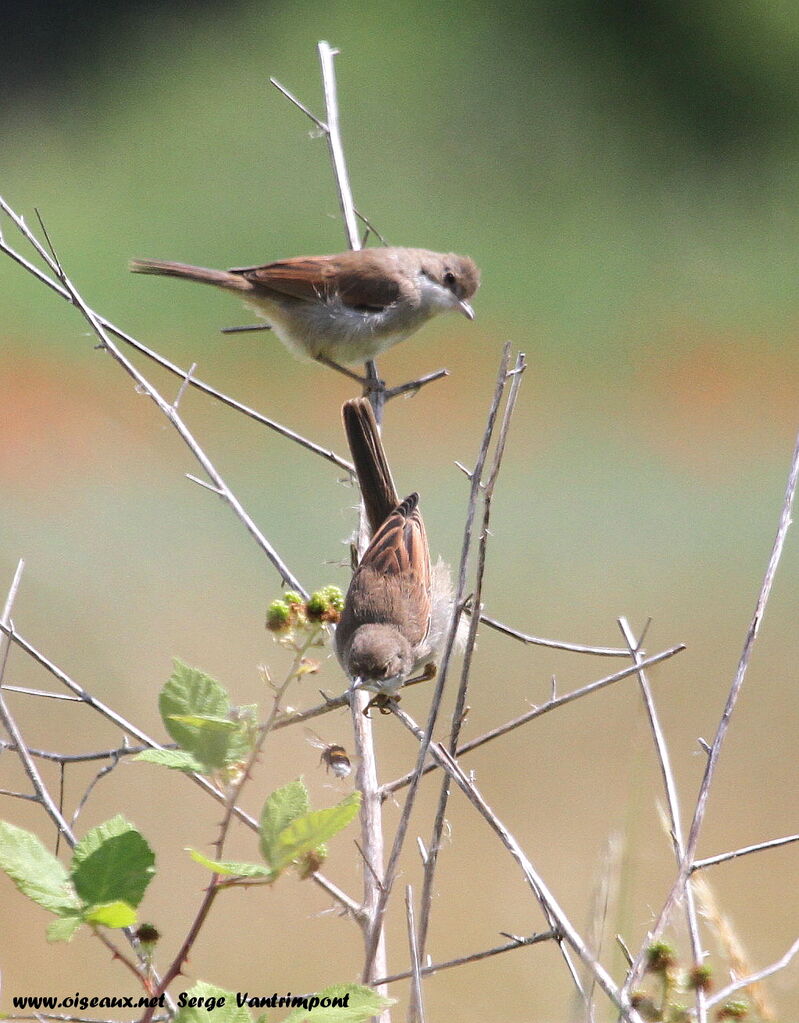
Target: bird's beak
x=466, y=309
x=356, y=683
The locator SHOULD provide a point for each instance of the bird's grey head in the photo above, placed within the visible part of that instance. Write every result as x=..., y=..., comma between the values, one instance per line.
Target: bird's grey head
x=379, y=657
x=457, y=277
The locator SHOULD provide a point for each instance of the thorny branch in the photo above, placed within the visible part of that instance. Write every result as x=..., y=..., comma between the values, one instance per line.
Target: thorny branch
x=672, y=802
x=165, y=363
x=42, y=793
x=486, y=491
x=565, y=932
x=168, y=409
x=441, y=678
x=553, y=704
x=689, y=855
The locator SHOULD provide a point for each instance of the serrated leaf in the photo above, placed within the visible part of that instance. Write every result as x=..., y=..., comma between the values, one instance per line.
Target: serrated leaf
x=361, y=1004
x=64, y=928
x=281, y=808
x=228, y=867
x=176, y=759
x=189, y=692
x=306, y=833
x=210, y=996
x=213, y=724
x=35, y=871
x=113, y=863
x=111, y=914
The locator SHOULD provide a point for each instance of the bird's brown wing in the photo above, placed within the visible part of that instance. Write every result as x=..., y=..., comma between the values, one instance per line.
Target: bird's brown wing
x=350, y=277
x=391, y=584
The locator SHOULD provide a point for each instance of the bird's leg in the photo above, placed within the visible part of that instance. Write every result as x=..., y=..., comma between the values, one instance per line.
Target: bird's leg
x=429, y=671
x=375, y=390
x=382, y=701
x=324, y=361
x=245, y=328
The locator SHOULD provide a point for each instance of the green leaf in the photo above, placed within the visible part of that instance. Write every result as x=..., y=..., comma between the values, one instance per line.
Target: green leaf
x=177, y=759
x=213, y=724
x=192, y=693
x=111, y=914
x=240, y=743
x=207, y=999
x=239, y=734
x=113, y=863
x=63, y=928
x=229, y=867
x=281, y=808
x=361, y=1003
x=306, y=833
x=35, y=871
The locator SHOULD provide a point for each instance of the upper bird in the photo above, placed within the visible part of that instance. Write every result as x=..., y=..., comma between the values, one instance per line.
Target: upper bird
x=346, y=308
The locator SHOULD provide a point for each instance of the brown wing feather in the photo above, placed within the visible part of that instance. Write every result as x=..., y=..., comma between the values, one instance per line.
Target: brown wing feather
x=374, y=475
x=350, y=277
x=391, y=585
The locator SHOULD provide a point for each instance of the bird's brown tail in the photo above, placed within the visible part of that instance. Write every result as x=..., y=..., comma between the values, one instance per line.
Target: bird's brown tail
x=221, y=278
x=378, y=492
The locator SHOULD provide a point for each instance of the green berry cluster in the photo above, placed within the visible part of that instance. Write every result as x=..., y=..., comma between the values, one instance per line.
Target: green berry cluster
x=290, y=612
x=662, y=1006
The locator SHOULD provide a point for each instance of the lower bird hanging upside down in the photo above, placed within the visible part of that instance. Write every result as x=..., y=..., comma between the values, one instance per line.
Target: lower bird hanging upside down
x=397, y=609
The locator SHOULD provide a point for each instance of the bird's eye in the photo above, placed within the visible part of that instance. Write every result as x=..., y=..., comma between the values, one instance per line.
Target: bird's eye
x=449, y=279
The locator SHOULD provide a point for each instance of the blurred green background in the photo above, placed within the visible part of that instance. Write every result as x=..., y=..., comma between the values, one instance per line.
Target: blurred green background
x=625, y=174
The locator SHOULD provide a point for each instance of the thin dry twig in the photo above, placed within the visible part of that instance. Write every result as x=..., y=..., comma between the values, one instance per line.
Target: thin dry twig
x=175, y=968
x=754, y=978
x=565, y=932
x=333, y=135
x=164, y=406
x=42, y=793
x=474, y=957
x=486, y=492
x=773, y=843
x=166, y=364
x=42, y=796
x=686, y=866
x=370, y=813
x=416, y=1010
x=27, y=691
x=79, y=758
x=553, y=644
x=603, y=901
x=19, y=795
x=552, y=704
x=672, y=803
x=441, y=678
x=330, y=129
x=111, y=715
x=413, y=386
x=102, y=773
